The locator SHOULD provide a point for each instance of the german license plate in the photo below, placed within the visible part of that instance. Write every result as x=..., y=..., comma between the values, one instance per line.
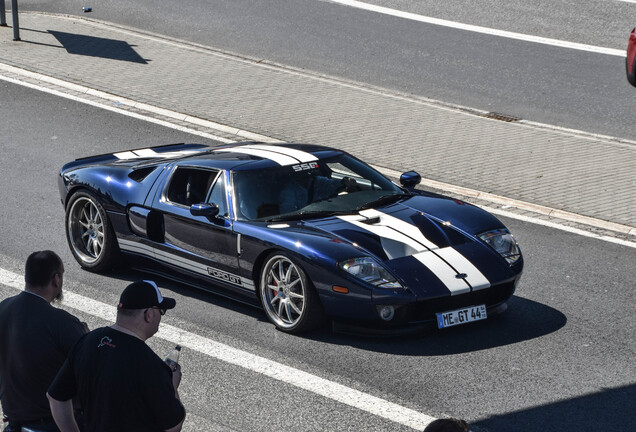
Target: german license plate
x=461, y=316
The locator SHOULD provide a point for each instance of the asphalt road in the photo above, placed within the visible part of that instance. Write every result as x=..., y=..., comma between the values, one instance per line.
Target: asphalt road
x=561, y=355
x=557, y=86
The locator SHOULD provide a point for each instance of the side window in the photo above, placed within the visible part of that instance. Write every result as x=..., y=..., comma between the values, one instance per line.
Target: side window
x=339, y=171
x=219, y=195
x=190, y=185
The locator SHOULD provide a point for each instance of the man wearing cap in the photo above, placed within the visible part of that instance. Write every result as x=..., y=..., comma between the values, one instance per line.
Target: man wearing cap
x=121, y=383
x=35, y=338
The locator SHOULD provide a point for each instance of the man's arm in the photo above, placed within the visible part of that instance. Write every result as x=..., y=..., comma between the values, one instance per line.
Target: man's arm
x=63, y=415
x=176, y=380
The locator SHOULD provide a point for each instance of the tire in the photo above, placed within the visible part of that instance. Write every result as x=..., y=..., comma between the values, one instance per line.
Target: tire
x=89, y=233
x=631, y=78
x=288, y=296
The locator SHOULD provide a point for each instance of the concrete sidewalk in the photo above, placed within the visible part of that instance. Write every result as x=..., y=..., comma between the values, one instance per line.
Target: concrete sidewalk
x=557, y=173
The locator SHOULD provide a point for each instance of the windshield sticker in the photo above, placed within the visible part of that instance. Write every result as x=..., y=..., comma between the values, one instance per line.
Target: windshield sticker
x=305, y=166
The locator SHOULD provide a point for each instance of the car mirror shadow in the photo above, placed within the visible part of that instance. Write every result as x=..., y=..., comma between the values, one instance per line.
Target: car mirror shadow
x=524, y=320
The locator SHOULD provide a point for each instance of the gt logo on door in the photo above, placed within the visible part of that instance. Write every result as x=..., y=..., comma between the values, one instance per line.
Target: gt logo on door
x=305, y=166
x=228, y=277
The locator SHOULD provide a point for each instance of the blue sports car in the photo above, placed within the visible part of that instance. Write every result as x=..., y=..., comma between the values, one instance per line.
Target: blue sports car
x=309, y=233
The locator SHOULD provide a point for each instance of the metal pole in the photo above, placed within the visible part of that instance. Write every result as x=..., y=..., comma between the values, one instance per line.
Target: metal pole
x=16, y=24
x=3, y=15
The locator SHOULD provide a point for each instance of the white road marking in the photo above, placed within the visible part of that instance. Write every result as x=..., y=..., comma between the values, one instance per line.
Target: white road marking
x=287, y=374
x=529, y=207
x=241, y=134
x=480, y=29
x=558, y=226
x=112, y=103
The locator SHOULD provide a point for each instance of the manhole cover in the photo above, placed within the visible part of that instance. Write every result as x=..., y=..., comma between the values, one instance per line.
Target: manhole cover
x=501, y=117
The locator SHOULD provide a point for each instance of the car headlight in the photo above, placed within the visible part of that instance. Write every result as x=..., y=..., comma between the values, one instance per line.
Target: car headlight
x=504, y=243
x=370, y=271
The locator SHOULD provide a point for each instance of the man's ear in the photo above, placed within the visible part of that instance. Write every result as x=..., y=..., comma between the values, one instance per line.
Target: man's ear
x=56, y=280
x=147, y=317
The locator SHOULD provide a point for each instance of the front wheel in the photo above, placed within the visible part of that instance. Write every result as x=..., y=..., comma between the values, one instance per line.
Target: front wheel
x=288, y=297
x=89, y=233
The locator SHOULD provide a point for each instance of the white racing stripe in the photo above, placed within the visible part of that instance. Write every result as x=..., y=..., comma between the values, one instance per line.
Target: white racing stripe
x=287, y=374
x=297, y=154
x=401, y=226
x=443, y=272
x=400, y=239
x=150, y=153
x=281, y=155
x=475, y=278
x=125, y=155
x=186, y=264
x=385, y=232
x=279, y=158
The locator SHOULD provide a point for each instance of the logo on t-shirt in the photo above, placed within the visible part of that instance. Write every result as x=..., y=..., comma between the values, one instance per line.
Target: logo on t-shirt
x=106, y=341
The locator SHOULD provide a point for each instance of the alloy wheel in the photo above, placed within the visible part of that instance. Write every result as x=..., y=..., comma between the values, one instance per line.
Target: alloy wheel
x=86, y=230
x=283, y=292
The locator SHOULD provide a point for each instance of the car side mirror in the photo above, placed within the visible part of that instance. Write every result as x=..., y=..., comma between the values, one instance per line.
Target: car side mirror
x=209, y=210
x=410, y=179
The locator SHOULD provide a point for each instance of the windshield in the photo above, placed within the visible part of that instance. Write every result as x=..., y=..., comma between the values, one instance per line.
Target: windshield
x=338, y=185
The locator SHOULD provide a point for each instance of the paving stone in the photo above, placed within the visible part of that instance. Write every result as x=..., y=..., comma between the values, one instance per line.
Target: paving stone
x=573, y=172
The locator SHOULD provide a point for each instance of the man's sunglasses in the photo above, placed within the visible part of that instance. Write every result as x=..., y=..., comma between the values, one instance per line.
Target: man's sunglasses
x=161, y=310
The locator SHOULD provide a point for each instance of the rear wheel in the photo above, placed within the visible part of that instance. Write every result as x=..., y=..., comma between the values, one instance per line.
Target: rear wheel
x=89, y=233
x=288, y=297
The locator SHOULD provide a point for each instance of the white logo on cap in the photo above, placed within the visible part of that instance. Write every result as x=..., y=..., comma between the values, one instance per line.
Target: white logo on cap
x=159, y=297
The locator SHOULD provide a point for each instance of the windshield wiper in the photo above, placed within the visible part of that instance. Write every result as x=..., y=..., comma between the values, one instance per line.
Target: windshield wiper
x=385, y=199
x=309, y=214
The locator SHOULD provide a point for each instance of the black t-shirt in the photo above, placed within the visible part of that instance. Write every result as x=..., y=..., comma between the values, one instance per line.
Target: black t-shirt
x=35, y=339
x=121, y=383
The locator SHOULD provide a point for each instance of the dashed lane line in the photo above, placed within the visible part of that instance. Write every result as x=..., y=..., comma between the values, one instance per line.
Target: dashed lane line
x=289, y=375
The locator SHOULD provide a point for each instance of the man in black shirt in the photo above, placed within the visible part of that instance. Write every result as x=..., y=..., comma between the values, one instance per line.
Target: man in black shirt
x=121, y=383
x=35, y=339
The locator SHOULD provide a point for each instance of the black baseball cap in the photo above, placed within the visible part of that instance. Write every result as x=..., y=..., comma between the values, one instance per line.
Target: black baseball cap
x=144, y=294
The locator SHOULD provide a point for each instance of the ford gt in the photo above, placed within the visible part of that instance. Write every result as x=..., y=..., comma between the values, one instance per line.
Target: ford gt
x=309, y=233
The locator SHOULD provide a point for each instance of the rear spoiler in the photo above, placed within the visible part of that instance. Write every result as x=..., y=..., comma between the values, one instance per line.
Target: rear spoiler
x=146, y=154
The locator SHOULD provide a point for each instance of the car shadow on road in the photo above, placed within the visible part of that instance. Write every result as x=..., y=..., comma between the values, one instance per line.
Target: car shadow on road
x=191, y=291
x=524, y=320
x=611, y=409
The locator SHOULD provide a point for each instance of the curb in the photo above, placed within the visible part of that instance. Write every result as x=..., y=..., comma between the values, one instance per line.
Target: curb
x=230, y=134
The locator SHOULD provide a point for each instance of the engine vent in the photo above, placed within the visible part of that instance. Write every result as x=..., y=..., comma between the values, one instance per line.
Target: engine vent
x=139, y=174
